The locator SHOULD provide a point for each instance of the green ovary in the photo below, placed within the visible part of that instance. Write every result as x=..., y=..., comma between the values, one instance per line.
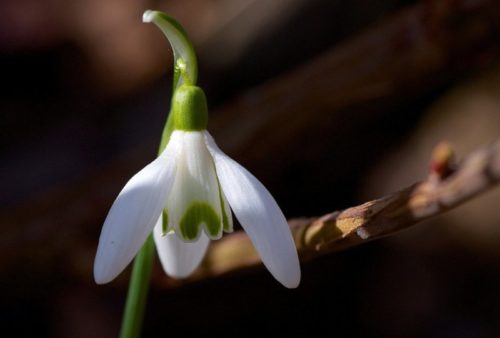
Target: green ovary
x=199, y=213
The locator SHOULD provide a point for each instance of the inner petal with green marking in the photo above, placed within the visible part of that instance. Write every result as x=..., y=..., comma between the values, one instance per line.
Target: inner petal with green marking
x=196, y=202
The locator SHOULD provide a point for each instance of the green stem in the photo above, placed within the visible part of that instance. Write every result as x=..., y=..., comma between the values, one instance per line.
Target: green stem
x=138, y=291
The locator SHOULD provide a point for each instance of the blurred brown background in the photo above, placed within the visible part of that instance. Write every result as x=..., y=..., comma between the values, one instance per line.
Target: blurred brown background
x=329, y=103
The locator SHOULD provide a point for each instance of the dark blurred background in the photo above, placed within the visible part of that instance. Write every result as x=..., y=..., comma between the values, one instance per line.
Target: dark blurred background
x=329, y=103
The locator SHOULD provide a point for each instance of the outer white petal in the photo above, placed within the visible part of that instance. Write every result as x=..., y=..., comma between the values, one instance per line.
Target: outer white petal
x=178, y=258
x=133, y=215
x=259, y=215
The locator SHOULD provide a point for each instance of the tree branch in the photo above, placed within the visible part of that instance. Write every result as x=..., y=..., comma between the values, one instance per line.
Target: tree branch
x=447, y=186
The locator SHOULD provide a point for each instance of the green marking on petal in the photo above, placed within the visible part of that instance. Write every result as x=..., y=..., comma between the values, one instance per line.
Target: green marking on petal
x=199, y=213
x=225, y=220
x=226, y=225
x=164, y=225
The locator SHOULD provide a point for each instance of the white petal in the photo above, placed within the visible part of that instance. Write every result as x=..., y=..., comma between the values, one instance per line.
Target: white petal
x=260, y=216
x=178, y=258
x=133, y=215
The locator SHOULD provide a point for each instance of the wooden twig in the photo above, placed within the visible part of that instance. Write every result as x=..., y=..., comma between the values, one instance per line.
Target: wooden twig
x=446, y=187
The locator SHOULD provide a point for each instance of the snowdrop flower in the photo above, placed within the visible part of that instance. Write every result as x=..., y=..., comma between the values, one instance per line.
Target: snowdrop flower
x=185, y=198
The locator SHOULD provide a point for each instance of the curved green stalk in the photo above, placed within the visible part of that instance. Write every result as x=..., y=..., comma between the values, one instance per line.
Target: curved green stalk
x=185, y=72
x=185, y=64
